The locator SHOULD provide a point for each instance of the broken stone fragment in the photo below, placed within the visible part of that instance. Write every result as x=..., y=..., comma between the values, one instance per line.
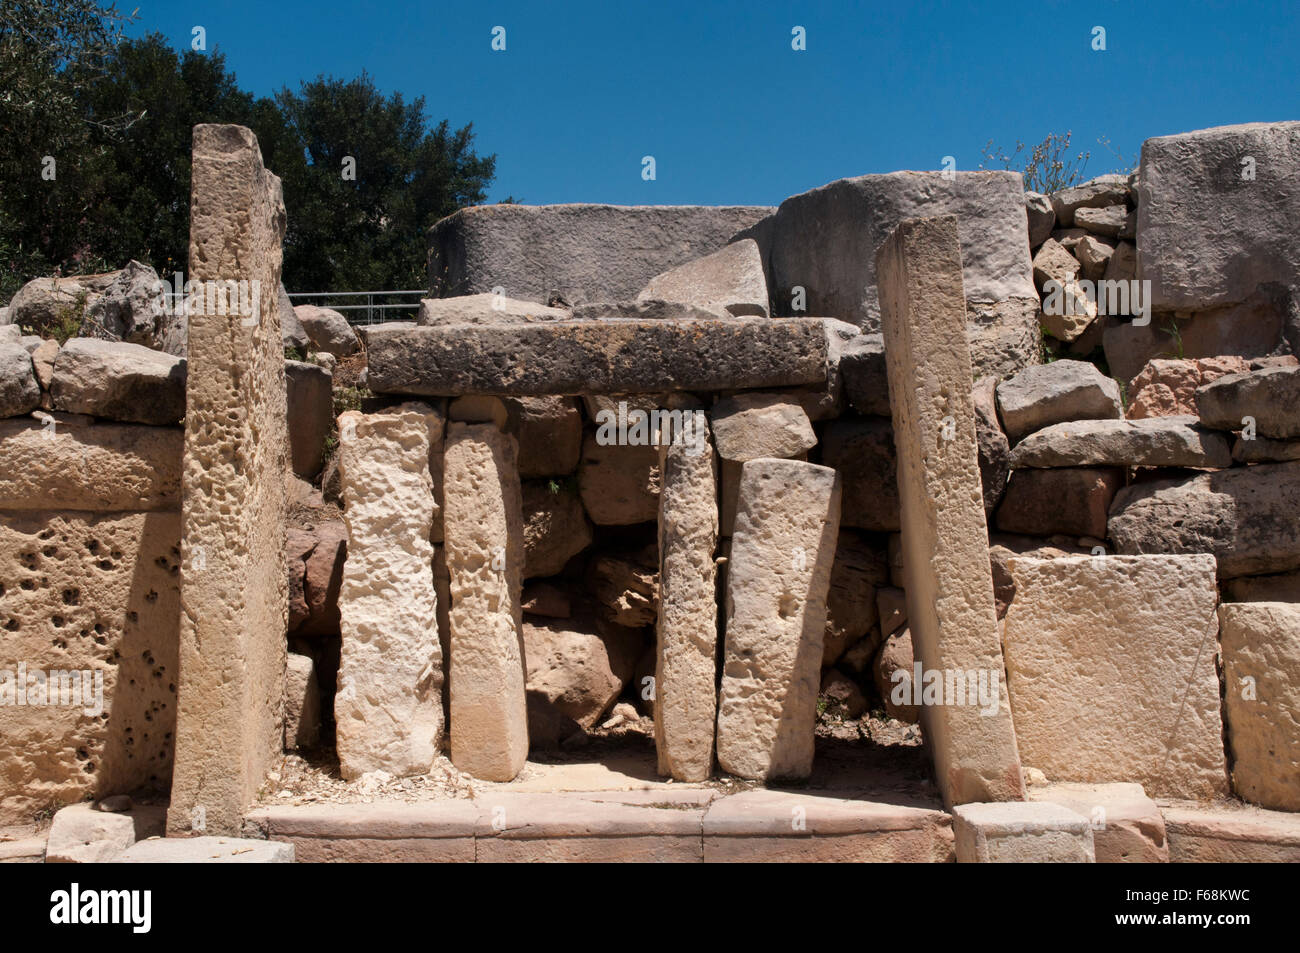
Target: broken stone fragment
x=748, y=426
x=1052, y=393
x=730, y=280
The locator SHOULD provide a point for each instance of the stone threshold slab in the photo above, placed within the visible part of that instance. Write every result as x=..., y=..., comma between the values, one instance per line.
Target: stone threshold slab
x=686, y=825
x=624, y=356
x=1230, y=832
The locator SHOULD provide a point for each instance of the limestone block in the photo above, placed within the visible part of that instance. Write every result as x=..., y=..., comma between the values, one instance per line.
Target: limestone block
x=485, y=558
x=951, y=609
x=1127, y=827
x=80, y=834
x=1070, y=501
x=1111, y=667
x=748, y=426
x=730, y=279
x=555, y=528
x=549, y=431
x=310, y=408
x=69, y=462
x=1021, y=832
x=597, y=357
x=576, y=253
x=862, y=451
x=685, y=700
x=302, y=703
x=388, y=708
x=96, y=594
x=619, y=485
x=207, y=850
x=1261, y=668
x=1149, y=442
x=485, y=308
x=787, y=522
x=1167, y=387
x=1049, y=394
x=1245, y=516
x=1271, y=395
x=20, y=390
x=234, y=581
x=120, y=381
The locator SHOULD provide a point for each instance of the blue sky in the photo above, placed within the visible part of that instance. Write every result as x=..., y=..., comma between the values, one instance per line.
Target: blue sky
x=733, y=115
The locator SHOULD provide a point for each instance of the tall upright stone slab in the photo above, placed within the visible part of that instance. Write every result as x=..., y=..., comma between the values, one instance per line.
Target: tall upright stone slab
x=782, y=549
x=388, y=708
x=483, y=523
x=686, y=664
x=950, y=603
x=234, y=585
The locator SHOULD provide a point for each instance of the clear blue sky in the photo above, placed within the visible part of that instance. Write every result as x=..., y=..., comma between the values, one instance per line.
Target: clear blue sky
x=733, y=115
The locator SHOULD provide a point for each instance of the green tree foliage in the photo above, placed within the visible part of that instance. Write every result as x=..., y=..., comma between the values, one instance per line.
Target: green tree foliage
x=120, y=129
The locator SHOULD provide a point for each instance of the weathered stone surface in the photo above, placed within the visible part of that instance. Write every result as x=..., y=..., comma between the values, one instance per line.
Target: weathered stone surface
x=1122, y=265
x=619, y=485
x=863, y=374
x=1261, y=670
x=1127, y=827
x=1110, y=663
x=292, y=333
x=1004, y=547
x=951, y=611
x=388, y=707
x=597, y=357
x=825, y=241
x=779, y=570
x=685, y=700
x=328, y=330
x=1054, y=263
x=991, y=442
x=44, y=304
x=131, y=308
x=479, y=410
x=893, y=670
x=310, y=408
x=579, y=666
x=234, y=589
x=485, y=557
x=574, y=253
x=1244, y=516
x=748, y=426
x=1048, y=394
x=119, y=381
x=1251, y=329
x=207, y=850
x=555, y=528
x=1209, y=234
x=1028, y=832
x=1097, y=193
x=858, y=570
x=541, y=598
x=79, y=834
x=58, y=461
x=841, y=695
x=44, y=354
x=1271, y=395
x=302, y=703
x=1109, y=221
x=862, y=450
x=549, y=431
x=1167, y=387
x=1230, y=833
x=87, y=593
x=1072, y=501
x=730, y=279
x=20, y=391
x=1149, y=442
x=1042, y=218
x=1283, y=587
x=315, y=577
x=650, y=309
x=1094, y=255
x=485, y=309
x=1264, y=450
x=627, y=586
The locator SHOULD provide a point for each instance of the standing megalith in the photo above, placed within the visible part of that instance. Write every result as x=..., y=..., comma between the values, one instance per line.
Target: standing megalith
x=686, y=652
x=388, y=707
x=483, y=527
x=787, y=523
x=234, y=584
x=950, y=605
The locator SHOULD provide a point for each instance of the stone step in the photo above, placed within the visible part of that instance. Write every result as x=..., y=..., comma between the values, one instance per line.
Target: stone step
x=207, y=850
x=678, y=825
x=1230, y=832
x=625, y=356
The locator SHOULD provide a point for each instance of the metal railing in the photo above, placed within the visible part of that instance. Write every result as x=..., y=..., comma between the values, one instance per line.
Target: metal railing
x=370, y=312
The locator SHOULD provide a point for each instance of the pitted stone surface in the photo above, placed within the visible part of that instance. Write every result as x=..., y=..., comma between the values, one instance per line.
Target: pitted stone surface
x=787, y=521
x=685, y=700
x=485, y=558
x=388, y=707
x=1111, y=667
x=1261, y=667
x=730, y=279
x=234, y=581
